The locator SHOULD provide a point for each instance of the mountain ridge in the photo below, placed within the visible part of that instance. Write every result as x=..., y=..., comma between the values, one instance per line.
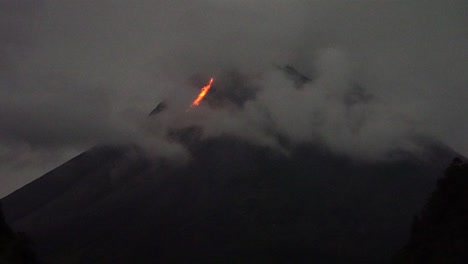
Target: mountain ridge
x=232, y=200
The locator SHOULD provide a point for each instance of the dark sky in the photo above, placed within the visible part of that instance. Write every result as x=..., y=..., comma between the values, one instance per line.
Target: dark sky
x=77, y=73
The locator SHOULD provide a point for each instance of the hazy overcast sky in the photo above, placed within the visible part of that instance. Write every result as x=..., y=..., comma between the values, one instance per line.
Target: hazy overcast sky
x=78, y=73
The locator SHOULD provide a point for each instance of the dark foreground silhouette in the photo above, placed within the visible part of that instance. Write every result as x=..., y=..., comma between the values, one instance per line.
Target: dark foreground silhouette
x=440, y=233
x=14, y=248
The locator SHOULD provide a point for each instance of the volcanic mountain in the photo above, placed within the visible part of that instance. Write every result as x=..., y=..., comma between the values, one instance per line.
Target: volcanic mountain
x=232, y=203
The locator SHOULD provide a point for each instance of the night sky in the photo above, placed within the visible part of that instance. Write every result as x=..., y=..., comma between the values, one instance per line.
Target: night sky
x=384, y=75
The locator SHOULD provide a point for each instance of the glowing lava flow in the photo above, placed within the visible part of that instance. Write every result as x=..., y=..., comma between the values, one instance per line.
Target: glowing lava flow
x=202, y=93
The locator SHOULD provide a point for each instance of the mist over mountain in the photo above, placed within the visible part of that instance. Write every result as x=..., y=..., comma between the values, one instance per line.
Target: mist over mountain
x=362, y=78
x=325, y=127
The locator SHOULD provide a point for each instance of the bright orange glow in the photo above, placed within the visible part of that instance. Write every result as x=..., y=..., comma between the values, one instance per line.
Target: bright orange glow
x=202, y=93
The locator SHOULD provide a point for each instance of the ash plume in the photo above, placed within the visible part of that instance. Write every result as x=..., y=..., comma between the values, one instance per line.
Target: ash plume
x=362, y=78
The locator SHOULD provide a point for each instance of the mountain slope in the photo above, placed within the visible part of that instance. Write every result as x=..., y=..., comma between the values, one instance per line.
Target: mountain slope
x=233, y=202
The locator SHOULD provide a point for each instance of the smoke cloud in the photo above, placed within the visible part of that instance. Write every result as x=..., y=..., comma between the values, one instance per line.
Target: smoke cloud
x=375, y=75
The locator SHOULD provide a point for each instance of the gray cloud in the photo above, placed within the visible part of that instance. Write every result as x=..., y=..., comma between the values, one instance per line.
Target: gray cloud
x=77, y=73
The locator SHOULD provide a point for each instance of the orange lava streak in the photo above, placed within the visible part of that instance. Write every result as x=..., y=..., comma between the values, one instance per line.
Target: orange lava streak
x=202, y=93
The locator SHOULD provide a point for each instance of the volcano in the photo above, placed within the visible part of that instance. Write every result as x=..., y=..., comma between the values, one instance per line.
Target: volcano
x=233, y=203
